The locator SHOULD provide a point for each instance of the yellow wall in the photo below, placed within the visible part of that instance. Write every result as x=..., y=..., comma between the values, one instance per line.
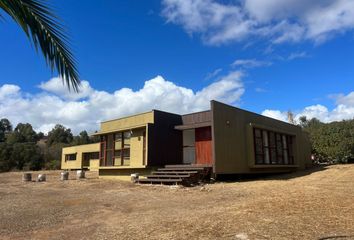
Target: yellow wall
x=94, y=164
x=233, y=148
x=135, y=121
x=123, y=174
x=136, y=148
x=79, y=150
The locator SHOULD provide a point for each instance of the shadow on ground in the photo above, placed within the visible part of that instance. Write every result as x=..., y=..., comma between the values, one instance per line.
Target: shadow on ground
x=270, y=176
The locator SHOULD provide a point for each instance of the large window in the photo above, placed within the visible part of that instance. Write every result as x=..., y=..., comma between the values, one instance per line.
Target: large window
x=122, y=148
x=70, y=157
x=115, y=149
x=272, y=147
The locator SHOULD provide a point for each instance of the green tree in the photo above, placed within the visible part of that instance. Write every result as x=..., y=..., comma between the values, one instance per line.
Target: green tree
x=23, y=133
x=331, y=142
x=82, y=138
x=5, y=128
x=27, y=156
x=44, y=29
x=59, y=134
x=6, y=162
x=52, y=155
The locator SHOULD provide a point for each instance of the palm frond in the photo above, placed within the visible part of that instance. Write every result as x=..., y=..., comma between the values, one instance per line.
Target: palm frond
x=44, y=29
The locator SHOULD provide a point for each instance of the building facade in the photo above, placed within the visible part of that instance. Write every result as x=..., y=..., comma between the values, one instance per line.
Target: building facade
x=228, y=139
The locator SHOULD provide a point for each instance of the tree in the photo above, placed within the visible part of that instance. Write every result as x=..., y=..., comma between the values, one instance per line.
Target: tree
x=331, y=142
x=27, y=155
x=5, y=128
x=59, y=134
x=43, y=28
x=83, y=138
x=6, y=162
x=290, y=116
x=52, y=155
x=22, y=133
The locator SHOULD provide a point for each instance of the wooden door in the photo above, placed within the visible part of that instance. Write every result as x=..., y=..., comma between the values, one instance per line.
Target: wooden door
x=203, y=145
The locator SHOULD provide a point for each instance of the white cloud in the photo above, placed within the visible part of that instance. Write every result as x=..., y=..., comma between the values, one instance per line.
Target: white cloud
x=344, y=110
x=275, y=114
x=86, y=110
x=250, y=63
x=213, y=74
x=296, y=55
x=276, y=20
x=8, y=90
x=57, y=86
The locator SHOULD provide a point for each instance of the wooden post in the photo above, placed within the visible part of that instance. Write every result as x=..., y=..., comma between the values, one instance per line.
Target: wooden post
x=41, y=178
x=27, y=177
x=80, y=174
x=64, y=176
x=134, y=177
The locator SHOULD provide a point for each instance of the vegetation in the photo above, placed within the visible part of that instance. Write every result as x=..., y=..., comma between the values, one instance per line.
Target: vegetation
x=331, y=142
x=24, y=149
x=43, y=28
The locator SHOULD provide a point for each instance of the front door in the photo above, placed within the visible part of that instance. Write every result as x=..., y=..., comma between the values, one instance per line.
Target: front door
x=203, y=145
x=188, y=146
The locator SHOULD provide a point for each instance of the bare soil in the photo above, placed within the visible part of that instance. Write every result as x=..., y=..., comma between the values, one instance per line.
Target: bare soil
x=313, y=204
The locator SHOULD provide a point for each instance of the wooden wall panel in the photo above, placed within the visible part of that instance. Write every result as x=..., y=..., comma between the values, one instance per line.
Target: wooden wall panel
x=203, y=145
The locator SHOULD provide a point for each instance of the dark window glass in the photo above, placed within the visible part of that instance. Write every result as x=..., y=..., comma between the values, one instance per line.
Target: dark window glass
x=272, y=147
x=70, y=157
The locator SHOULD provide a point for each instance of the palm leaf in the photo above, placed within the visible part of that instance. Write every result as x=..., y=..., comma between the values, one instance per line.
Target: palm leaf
x=44, y=29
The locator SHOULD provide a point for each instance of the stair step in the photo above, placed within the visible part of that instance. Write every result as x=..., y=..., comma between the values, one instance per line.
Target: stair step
x=168, y=176
x=189, y=166
x=174, y=172
x=181, y=169
x=143, y=180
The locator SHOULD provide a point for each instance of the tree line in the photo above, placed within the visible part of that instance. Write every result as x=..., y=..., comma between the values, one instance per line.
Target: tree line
x=331, y=142
x=22, y=148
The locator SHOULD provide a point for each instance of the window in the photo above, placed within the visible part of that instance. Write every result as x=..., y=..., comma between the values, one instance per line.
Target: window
x=122, y=148
x=115, y=149
x=70, y=157
x=272, y=147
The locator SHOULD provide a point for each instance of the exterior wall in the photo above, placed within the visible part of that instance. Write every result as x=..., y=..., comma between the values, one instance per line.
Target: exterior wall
x=233, y=149
x=135, y=121
x=136, y=148
x=122, y=174
x=79, y=150
x=164, y=141
x=94, y=164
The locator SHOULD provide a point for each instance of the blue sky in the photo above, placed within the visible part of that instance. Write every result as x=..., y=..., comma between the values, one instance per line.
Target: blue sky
x=264, y=56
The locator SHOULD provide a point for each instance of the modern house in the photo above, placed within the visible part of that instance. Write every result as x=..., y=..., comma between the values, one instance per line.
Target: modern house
x=228, y=139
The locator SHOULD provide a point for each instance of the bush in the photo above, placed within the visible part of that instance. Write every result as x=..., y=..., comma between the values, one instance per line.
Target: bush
x=331, y=142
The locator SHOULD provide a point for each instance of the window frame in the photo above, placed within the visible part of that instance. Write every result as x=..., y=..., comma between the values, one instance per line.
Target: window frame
x=271, y=146
x=67, y=157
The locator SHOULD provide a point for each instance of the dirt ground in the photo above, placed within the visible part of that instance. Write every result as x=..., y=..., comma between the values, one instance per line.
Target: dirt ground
x=314, y=204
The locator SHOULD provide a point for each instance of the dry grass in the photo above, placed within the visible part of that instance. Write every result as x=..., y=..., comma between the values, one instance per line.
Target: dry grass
x=305, y=205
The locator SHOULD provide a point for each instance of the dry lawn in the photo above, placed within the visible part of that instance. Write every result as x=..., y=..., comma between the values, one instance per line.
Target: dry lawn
x=316, y=204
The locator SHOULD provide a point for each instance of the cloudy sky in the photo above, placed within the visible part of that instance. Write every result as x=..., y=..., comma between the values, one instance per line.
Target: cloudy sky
x=268, y=57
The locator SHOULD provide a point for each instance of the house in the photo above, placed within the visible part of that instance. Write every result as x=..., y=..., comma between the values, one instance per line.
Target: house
x=228, y=139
